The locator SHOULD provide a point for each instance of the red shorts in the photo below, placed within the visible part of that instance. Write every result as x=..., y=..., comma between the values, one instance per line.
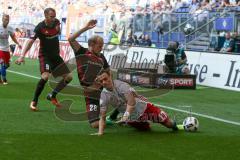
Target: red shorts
x=4, y=57
x=141, y=126
x=154, y=114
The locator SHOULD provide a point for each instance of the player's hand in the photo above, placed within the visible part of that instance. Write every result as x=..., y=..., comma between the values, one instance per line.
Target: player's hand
x=91, y=24
x=96, y=134
x=20, y=60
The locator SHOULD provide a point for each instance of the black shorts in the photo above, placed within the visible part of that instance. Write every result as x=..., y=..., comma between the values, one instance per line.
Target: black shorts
x=55, y=66
x=93, y=106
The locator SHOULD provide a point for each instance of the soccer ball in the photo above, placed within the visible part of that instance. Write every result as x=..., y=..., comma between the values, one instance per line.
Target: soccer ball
x=190, y=124
x=188, y=28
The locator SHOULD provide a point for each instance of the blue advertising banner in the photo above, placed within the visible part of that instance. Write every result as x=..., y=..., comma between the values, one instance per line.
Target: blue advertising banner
x=226, y=24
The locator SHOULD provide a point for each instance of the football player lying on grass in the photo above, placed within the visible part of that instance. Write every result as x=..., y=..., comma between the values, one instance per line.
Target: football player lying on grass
x=136, y=111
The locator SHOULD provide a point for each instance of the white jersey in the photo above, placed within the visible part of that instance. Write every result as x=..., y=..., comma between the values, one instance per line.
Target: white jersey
x=4, y=35
x=117, y=99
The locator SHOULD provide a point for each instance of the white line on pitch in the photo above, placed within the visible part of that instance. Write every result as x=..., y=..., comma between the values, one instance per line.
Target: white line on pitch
x=162, y=106
x=202, y=87
x=200, y=115
x=23, y=74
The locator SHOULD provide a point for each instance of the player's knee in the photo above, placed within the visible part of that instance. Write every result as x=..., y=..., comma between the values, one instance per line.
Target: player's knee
x=94, y=124
x=68, y=77
x=45, y=76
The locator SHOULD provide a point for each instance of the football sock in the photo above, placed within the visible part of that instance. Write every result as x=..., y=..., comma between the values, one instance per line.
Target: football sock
x=39, y=89
x=177, y=127
x=114, y=114
x=3, y=72
x=63, y=83
x=174, y=127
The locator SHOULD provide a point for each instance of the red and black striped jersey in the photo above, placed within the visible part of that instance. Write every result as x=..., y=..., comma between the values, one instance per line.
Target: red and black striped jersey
x=89, y=65
x=48, y=36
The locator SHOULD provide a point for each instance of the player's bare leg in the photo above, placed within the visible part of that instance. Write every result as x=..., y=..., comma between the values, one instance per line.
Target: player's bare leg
x=38, y=90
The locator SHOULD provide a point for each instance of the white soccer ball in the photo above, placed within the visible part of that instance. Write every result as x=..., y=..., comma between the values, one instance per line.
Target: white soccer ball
x=188, y=28
x=190, y=124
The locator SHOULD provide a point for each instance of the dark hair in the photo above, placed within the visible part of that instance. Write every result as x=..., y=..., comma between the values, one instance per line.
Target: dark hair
x=173, y=46
x=107, y=71
x=47, y=10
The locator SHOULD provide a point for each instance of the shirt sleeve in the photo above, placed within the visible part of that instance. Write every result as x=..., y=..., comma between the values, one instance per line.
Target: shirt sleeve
x=36, y=33
x=104, y=102
x=125, y=88
x=128, y=92
x=57, y=24
x=81, y=51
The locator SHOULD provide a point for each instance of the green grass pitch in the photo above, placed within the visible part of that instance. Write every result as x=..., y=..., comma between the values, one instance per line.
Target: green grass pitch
x=25, y=135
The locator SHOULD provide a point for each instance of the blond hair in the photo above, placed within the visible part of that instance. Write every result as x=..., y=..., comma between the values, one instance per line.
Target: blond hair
x=94, y=39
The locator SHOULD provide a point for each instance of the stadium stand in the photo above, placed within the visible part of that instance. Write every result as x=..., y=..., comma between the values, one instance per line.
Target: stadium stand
x=162, y=20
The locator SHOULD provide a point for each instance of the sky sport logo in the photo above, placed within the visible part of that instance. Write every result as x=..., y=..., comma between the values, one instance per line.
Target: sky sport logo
x=181, y=81
x=177, y=82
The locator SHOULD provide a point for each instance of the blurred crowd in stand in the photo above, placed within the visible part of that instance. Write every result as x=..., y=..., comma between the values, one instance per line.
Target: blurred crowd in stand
x=142, y=16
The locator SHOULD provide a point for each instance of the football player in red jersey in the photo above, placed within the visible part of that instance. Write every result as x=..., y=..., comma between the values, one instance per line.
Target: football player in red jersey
x=50, y=61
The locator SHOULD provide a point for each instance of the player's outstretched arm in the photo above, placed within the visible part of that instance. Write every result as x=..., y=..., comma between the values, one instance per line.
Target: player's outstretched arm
x=129, y=108
x=24, y=52
x=102, y=124
x=13, y=37
x=72, y=38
